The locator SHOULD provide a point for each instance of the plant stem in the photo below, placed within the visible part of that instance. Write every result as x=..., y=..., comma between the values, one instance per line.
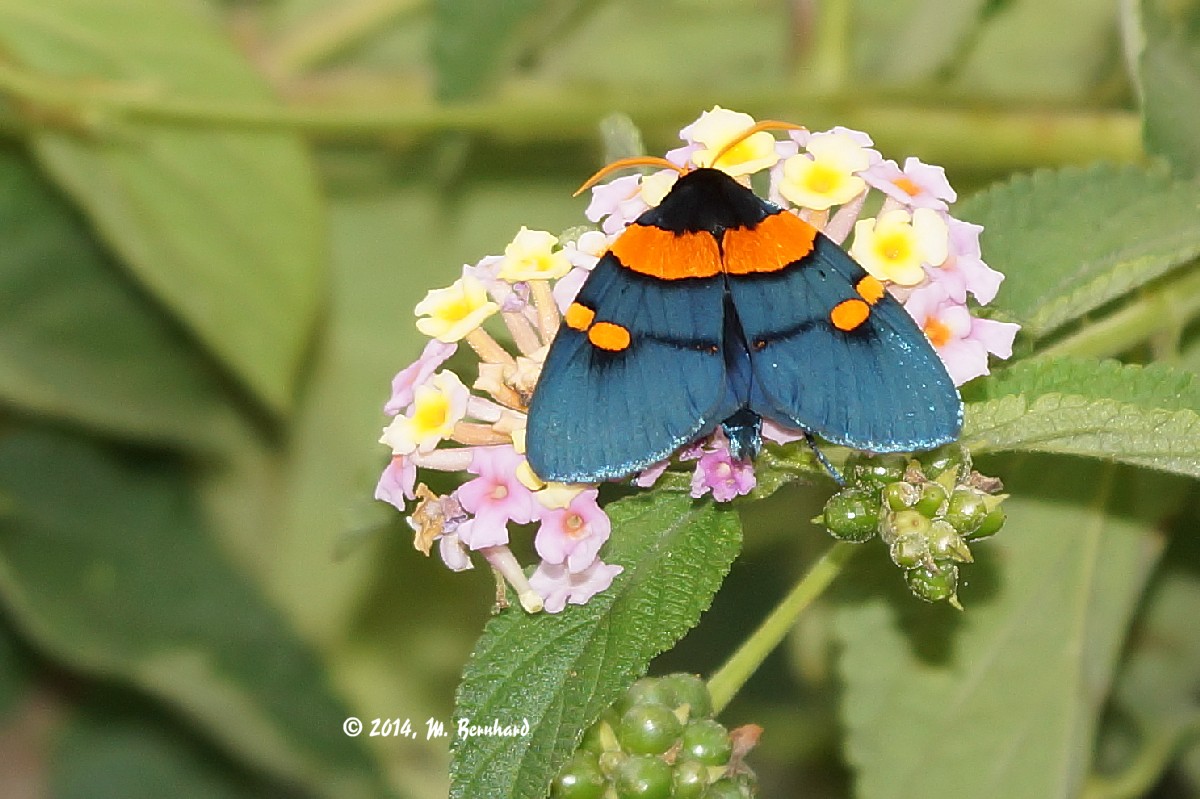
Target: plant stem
x=832, y=44
x=996, y=138
x=730, y=678
x=1170, y=305
x=1147, y=767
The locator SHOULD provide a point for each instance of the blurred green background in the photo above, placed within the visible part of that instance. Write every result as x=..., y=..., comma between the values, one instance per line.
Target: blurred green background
x=215, y=219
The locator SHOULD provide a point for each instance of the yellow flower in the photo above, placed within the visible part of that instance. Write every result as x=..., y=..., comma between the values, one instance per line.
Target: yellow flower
x=894, y=246
x=556, y=496
x=451, y=313
x=716, y=128
x=437, y=407
x=654, y=187
x=531, y=256
x=827, y=178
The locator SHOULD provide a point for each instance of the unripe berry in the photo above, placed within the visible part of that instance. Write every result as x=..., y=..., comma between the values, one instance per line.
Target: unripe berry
x=649, y=729
x=909, y=550
x=933, y=585
x=690, y=690
x=901, y=495
x=643, y=777
x=932, y=498
x=966, y=510
x=875, y=471
x=707, y=741
x=691, y=778
x=852, y=514
x=646, y=691
x=990, y=525
x=725, y=788
x=581, y=778
x=946, y=544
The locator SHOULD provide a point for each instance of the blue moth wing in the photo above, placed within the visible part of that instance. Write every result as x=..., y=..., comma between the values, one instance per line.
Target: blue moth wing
x=597, y=414
x=879, y=387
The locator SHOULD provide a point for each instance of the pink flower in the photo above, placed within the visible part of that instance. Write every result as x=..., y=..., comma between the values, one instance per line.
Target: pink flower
x=557, y=586
x=583, y=254
x=918, y=185
x=495, y=497
x=397, y=482
x=778, y=434
x=718, y=472
x=964, y=270
x=649, y=476
x=617, y=202
x=803, y=137
x=454, y=553
x=962, y=341
x=573, y=534
x=683, y=155
x=416, y=374
x=566, y=289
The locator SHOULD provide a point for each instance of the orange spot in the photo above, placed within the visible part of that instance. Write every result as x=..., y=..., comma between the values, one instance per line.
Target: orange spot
x=870, y=289
x=849, y=314
x=907, y=186
x=574, y=525
x=609, y=336
x=660, y=253
x=769, y=246
x=579, y=317
x=937, y=331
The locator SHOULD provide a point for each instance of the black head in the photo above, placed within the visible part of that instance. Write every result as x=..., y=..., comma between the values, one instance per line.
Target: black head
x=707, y=200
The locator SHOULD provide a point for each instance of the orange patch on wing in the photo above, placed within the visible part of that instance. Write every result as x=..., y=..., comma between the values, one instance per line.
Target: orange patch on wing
x=660, y=253
x=769, y=246
x=870, y=289
x=609, y=336
x=849, y=314
x=579, y=317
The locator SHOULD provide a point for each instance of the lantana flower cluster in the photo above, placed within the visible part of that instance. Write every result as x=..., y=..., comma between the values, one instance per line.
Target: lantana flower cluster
x=927, y=259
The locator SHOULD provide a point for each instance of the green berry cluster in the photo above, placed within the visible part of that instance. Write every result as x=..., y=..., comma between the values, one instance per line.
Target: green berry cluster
x=660, y=741
x=925, y=512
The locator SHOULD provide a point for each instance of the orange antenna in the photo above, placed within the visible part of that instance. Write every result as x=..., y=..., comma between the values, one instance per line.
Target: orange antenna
x=624, y=163
x=766, y=124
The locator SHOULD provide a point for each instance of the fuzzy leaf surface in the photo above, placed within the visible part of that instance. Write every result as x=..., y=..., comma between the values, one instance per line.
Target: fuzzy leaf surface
x=1145, y=416
x=1074, y=239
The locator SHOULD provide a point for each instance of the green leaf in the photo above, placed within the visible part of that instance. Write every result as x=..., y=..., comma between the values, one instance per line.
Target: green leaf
x=1027, y=51
x=1153, y=387
x=77, y=342
x=1072, y=240
x=1157, y=690
x=1170, y=79
x=225, y=229
x=119, y=747
x=560, y=671
x=16, y=671
x=105, y=566
x=473, y=42
x=893, y=42
x=1146, y=416
x=1000, y=700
